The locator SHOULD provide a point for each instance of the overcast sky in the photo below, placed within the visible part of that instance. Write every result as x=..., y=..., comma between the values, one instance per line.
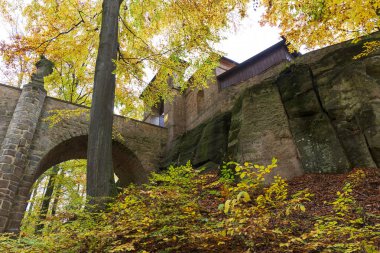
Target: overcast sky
x=250, y=39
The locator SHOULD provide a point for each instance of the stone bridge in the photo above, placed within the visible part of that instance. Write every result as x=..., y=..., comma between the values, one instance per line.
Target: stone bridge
x=31, y=145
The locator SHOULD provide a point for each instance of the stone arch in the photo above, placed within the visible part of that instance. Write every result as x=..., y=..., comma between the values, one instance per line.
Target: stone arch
x=127, y=167
x=137, y=152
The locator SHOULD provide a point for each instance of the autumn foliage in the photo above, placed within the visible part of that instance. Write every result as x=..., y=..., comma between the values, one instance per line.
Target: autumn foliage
x=189, y=210
x=153, y=35
x=321, y=23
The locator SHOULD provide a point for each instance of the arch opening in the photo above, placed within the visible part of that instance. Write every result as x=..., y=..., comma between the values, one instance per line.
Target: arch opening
x=127, y=168
x=57, y=194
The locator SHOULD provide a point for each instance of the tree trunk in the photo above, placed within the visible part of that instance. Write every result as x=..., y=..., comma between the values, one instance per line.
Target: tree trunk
x=33, y=194
x=47, y=198
x=83, y=195
x=58, y=186
x=100, y=180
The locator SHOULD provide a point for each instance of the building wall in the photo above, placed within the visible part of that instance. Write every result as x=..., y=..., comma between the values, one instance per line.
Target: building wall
x=201, y=104
x=191, y=108
x=8, y=101
x=218, y=100
x=175, y=117
x=183, y=113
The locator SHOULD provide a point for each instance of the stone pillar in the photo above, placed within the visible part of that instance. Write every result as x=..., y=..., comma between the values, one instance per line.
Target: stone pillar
x=18, y=139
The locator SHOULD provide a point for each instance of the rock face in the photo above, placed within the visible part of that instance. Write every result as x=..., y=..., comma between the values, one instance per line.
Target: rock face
x=317, y=143
x=260, y=130
x=350, y=95
x=321, y=114
x=204, y=144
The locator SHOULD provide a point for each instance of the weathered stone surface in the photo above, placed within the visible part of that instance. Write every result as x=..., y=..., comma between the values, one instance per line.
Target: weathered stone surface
x=319, y=147
x=184, y=148
x=207, y=142
x=8, y=102
x=212, y=145
x=327, y=105
x=350, y=97
x=259, y=131
x=14, y=161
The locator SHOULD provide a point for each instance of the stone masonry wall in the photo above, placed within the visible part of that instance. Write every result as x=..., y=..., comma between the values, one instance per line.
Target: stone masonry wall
x=136, y=153
x=260, y=130
x=30, y=146
x=8, y=101
x=16, y=146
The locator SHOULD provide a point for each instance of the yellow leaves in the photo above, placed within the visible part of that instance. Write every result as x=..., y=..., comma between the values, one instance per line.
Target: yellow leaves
x=230, y=204
x=244, y=196
x=320, y=23
x=251, y=177
x=369, y=47
x=158, y=36
x=227, y=206
x=126, y=247
x=243, y=174
x=56, y=116
x=159, y=216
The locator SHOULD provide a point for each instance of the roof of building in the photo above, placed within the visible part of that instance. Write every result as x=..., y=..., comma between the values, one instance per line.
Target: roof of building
x=255, y=58
x=229, y=60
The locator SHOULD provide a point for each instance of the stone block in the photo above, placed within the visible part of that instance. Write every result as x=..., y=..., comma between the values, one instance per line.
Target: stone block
x=4, y=183
x=9, y=152
x=5, y=206
x=3, y=222
x=6, y=159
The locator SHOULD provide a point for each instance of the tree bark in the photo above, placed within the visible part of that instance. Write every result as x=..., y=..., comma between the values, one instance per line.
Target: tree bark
x=33, y=195
x=47, y=198
x=58, y=186
x=100, y=179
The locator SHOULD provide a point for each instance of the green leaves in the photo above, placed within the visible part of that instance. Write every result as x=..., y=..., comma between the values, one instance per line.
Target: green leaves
x=227, y=206
x=243, y=195
x=176, y=212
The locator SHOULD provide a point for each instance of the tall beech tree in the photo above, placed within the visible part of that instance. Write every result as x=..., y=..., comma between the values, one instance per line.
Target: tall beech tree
x=100, y=179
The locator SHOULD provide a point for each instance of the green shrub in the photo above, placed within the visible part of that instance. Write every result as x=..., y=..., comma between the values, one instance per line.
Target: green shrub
x=178, y=212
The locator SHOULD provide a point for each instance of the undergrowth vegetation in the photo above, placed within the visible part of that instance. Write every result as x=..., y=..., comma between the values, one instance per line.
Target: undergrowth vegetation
x=244, y=209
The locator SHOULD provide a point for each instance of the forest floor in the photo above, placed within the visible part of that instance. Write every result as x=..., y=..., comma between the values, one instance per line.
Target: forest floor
x=160, y=217
x=324, y=188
